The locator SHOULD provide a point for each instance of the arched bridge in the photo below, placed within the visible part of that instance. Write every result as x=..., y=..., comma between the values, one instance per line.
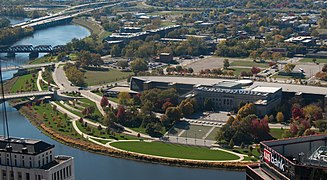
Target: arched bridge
x=37, y=94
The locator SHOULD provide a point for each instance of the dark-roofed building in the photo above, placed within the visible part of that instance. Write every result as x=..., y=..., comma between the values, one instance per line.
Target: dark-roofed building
x=33, y=160
x=294, y=158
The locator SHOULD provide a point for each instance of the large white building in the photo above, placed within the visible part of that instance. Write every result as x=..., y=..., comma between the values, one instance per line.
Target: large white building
x=27, y=159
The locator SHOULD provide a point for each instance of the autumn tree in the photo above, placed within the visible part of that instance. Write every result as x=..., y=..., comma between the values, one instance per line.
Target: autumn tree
x=104, y=102
x=255, y=70
x=246, y=110
x=124, y=98
x=289, y=67
x=280, y=117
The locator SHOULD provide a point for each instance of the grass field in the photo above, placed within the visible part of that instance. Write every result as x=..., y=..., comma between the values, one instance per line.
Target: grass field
x=249, y=64
x=174, y=150
x=103, y=77
x=55, y=119
x=277, y=132
x=213, y=134
x=44, y=59
x=114, y=99
x=196, y=131
x=25, y=83
x=237, y=71
x=310, y=60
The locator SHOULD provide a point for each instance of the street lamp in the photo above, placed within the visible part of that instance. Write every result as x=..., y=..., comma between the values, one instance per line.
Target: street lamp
x=186, y=137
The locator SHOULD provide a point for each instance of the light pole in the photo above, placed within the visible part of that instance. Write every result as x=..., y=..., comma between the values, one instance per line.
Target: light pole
x=186, y=137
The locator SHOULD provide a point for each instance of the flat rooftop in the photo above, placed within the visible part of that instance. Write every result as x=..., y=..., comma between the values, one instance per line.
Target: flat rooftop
x=211, y=81
x=266, y=89
x=21, y=145
x=122, y=89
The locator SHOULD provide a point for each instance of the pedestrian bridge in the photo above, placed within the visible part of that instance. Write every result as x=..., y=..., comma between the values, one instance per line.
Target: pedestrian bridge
x=36, y=94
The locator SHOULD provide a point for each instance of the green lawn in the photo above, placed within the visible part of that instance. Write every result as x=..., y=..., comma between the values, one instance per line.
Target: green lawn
x=25, y=83
x=101, y=141
x=103, y=77
x=44, y=59
x=249, y=64
x=213, y=134
x=277, y=132
x=94, y=131
x=237, y=71
x=310, y=60
x=55, y=119
x=174, y=150
x=97, y=116
x=196, y=131
x=114, y=99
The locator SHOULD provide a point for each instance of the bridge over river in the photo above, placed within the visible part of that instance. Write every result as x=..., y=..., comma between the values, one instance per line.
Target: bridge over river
x=33, y=50
x=36, y=94
x=27, y=66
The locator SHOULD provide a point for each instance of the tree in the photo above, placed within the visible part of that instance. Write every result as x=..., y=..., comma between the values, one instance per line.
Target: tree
x=280, y=117
x=104, y=102
x=122, y=64
x=231, y=144
x=289, y=67
x=124, y=98
x=139, y=65
x=321, y=125
x=246, y=110
x=226, y=63
x=173, y=113
x=115, y=51
x=255, y=70
x=187, y=108
x=312, y=112
x=324, y=68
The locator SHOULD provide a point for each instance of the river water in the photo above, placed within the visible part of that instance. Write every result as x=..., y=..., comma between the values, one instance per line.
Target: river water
x=89, y=166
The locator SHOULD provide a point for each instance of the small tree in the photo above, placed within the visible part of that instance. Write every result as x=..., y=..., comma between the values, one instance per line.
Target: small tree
x=226, y=63
x=104, y=102
x=231, y=144
x=280, y=117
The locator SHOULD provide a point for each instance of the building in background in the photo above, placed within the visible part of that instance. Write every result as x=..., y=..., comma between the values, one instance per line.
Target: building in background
x=28, y=159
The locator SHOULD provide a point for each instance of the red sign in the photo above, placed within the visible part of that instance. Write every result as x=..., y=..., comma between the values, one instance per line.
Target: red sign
x=267, y=155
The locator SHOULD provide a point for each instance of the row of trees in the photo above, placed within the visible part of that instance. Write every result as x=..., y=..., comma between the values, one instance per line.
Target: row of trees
x=10, y=35
x=245, y=128
x=149, y=48
x=150, y=101
x=74, y=75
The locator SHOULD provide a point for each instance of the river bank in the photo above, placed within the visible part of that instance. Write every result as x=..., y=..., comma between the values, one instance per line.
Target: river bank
x=94, y=148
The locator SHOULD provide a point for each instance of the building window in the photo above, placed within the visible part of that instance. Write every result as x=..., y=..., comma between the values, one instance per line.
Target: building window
x=19, y=175
x=23, y=163
x=27, y=176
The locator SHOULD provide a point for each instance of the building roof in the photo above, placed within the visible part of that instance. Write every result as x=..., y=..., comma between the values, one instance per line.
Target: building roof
x=25, y=146
x=228, y=84
x=296, y=88
x=266, y=89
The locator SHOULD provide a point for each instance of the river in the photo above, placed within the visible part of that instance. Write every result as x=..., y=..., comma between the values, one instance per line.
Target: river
x=90, y=166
